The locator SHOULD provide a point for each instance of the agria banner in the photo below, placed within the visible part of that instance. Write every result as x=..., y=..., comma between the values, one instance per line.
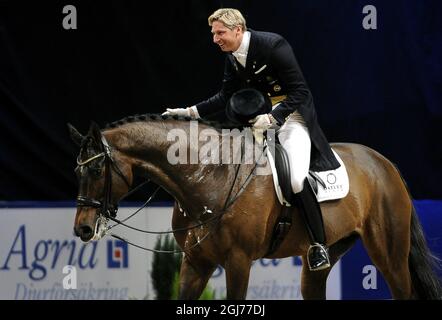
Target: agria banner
x=40, y=259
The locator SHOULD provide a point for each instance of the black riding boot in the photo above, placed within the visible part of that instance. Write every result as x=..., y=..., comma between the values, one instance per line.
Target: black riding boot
x=306, y=201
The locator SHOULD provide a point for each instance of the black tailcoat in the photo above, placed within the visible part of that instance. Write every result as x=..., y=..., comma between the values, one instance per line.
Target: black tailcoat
x=271, y=68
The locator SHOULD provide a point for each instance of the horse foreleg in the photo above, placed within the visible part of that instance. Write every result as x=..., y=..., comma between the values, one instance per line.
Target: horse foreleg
x=193, y=278
x=237, y=268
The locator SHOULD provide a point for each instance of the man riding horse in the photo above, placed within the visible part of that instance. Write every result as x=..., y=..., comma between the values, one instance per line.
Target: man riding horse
x=265, y=61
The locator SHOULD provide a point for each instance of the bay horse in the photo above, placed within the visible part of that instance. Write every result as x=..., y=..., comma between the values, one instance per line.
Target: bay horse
x=378, y=209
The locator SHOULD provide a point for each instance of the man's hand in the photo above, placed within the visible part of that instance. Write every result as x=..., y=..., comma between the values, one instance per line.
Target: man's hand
x=261, y=122
x=182, y=112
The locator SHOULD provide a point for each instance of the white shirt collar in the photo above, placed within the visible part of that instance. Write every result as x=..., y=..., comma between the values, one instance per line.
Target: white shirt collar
x=241, y=53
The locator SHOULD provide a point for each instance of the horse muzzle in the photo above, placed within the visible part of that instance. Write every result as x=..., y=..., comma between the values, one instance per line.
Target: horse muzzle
x=89, y=225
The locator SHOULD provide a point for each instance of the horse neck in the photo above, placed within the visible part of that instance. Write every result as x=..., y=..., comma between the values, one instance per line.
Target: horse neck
x=145, y=145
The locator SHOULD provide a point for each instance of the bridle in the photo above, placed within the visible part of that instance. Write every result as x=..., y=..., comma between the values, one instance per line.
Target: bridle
x=106, y=210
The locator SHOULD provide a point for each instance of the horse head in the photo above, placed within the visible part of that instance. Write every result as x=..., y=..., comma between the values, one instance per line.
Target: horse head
x=103, y=179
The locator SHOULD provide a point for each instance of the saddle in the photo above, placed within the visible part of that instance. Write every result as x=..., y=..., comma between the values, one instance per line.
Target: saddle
x=324, y=190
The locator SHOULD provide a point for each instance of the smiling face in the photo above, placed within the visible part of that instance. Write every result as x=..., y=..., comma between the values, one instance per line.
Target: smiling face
x=227, y=39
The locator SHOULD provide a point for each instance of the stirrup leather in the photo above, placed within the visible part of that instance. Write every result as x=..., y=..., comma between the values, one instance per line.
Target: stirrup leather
x=324, y=250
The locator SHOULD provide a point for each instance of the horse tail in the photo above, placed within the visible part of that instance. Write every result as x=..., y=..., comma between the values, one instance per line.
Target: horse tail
x=422, y=264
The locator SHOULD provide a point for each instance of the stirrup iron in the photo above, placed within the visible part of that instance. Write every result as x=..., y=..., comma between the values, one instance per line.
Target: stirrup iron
x=324, y=253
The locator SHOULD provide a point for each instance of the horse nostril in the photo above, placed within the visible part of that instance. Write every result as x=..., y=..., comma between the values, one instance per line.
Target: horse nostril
x=86, y=233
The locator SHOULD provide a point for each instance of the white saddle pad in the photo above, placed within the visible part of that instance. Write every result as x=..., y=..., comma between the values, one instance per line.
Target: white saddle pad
x=336, y=182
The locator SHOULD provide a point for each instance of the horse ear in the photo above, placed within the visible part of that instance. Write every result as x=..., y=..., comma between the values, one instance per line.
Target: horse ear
x=76, y=136
x=95, y=132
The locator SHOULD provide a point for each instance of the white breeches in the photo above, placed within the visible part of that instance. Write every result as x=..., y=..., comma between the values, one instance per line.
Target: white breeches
x=294, y=137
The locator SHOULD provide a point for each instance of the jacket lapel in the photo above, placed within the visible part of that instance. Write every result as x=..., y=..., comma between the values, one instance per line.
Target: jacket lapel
x=251, y=63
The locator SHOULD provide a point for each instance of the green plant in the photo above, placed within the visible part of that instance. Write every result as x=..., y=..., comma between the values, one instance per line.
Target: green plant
x=175, y=286
x=208, y=293
x=164, y=267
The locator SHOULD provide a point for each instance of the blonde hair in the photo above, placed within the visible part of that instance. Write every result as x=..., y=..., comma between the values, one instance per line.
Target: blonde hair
x=231, y=18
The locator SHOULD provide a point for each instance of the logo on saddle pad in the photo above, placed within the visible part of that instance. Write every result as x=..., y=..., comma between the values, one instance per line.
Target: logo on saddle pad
x=336, y=185
x=331, y=178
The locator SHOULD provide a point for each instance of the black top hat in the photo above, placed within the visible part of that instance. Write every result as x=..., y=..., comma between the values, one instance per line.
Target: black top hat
x=246, y=104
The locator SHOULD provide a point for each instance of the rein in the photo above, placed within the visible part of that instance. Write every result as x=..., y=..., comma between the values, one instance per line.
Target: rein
x=201, y=224
x=109, y=211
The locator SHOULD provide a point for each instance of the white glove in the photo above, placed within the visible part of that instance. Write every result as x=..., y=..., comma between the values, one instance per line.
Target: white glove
x=182, y=112
x=261, y=122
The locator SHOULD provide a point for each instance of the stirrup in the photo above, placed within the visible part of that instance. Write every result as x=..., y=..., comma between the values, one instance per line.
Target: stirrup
x=325, y=263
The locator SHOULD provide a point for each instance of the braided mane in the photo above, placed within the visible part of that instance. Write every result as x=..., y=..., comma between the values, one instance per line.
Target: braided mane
x=159, y=117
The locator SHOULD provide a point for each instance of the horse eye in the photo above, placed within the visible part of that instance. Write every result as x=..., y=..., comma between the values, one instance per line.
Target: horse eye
x=96, y=172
